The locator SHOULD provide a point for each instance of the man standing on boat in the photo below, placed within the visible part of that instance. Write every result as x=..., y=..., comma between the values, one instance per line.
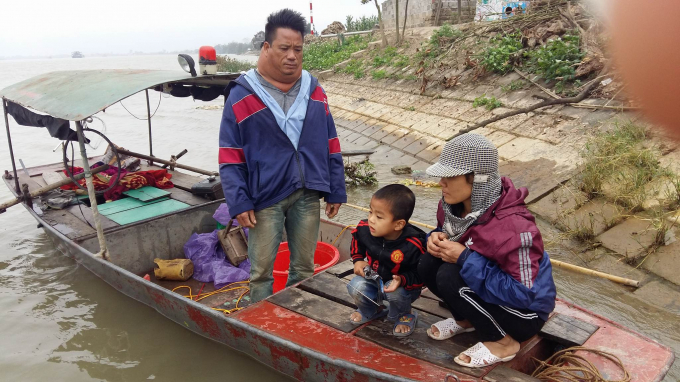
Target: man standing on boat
x=279, y=154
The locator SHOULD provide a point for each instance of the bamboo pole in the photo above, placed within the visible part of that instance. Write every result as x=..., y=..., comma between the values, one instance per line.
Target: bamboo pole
x=162, y=161
x=586, y=271
x=557, y=263
x=90, y=191
x=50, y=187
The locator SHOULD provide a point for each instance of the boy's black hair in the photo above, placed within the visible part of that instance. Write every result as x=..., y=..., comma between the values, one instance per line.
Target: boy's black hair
x=285, y=18
x=401, y=199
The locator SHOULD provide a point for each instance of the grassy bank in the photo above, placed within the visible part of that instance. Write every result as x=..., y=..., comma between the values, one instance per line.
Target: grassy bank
x=232, y=65
x=325, y=54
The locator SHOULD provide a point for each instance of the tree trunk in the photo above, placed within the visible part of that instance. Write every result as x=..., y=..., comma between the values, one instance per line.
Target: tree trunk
x=403, y=30
x=460, y=11
x=396, y=20
x=382, y=24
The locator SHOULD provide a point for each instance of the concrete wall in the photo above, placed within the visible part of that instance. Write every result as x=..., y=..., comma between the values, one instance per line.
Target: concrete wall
x=422, y=13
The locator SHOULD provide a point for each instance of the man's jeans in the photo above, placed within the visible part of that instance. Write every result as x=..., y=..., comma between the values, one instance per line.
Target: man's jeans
x=299, y=214
x=399, y=301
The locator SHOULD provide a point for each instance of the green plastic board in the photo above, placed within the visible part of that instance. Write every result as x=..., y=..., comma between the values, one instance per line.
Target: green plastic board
x=147, y=211
x=147, y=193
x=122, y=205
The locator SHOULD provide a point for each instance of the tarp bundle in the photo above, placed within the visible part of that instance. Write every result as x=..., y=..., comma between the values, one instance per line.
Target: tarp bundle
x=58, y=128
x=210, y=263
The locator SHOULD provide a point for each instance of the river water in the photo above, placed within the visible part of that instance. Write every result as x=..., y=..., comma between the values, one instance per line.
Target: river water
x=58, y=320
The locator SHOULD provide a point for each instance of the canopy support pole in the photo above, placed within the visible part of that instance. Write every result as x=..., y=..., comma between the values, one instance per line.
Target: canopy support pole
x=148, y=118
x=90, y=192
x=11, y=151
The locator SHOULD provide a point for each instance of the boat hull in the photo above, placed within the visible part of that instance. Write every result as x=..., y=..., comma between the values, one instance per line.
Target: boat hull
x=275, y=352
x=310, y=351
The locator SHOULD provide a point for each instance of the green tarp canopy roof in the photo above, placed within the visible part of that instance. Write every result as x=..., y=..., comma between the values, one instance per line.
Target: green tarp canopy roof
x=76, y=95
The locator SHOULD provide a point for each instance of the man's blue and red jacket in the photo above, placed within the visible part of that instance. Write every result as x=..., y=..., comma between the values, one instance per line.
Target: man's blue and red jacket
x=259, y=166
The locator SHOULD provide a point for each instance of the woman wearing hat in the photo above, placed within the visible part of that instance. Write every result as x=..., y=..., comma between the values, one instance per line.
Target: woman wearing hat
x=486, y=259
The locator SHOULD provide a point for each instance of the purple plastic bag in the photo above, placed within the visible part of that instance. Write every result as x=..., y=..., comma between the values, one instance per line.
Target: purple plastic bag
x=223, y=217
x=222, y=214
x=210, y=263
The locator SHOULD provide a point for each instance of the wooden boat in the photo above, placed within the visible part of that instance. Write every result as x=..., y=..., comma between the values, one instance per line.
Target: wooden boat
x=302, y=331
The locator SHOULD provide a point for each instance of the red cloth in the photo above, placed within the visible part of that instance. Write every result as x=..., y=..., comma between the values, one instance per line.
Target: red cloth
x=128, y=181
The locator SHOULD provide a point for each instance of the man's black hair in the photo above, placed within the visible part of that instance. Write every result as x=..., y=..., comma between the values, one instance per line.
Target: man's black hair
x=285, y=18
x=401, y=199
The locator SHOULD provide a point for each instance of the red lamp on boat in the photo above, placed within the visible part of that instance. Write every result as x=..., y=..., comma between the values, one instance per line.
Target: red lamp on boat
x=207, y=60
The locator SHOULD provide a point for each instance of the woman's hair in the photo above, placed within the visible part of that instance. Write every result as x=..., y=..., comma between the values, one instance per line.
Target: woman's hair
x=457, y=209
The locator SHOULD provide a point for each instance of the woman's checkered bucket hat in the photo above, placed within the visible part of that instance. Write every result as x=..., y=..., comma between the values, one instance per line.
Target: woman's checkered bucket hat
x=464, y=154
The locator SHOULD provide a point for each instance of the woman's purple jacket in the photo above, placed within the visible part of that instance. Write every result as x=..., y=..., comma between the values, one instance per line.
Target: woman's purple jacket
x=506, y=264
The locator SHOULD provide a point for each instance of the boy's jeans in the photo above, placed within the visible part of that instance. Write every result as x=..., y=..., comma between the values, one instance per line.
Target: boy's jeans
x=399, y=301
x=299, y=213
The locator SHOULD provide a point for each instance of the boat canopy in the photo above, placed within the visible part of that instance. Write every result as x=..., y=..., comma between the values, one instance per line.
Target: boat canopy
x=78, y=94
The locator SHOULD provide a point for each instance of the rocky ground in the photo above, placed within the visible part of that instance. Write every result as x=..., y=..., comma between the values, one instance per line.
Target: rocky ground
x=539, y=150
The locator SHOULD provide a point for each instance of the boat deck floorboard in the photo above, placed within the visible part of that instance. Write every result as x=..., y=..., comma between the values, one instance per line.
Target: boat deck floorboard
x=324, y=298
x=225, y=300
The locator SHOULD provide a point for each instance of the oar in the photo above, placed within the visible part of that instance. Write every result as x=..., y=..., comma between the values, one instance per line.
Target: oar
x=154, y=159
x=50, y=187
x=174, y=158
x=561, y=264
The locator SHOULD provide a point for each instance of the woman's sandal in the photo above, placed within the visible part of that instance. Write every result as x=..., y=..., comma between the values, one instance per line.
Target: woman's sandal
x=378, y=314
x=447, y=329
x=480, y=356
x=407, y=319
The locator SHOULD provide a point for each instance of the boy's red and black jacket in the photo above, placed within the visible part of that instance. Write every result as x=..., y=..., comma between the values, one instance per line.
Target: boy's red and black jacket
x=390, y=257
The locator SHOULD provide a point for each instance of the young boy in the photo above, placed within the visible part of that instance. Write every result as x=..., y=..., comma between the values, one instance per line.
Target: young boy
x=385, y=251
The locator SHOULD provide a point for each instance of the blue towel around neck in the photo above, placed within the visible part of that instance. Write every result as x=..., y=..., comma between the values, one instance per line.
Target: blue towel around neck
x=291, y=123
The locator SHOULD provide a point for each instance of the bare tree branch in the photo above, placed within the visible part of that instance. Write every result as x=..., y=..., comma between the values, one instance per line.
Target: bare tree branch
x=578, y=98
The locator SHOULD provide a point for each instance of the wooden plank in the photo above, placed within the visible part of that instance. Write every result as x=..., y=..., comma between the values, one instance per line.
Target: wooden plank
x=419, y=345
x=84, y=213
x=567, y=330
x=330, y=287
x=186, y=197
x=426, y=293
x=317, y=308
x=67, y=224
x=505, y=374
x=432, y=307
x=341, y=269
x=53, y=177
x=147, y=193
x=224, y=300
x=147, y=211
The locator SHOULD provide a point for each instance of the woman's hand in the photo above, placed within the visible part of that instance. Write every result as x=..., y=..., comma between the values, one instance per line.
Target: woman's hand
x=450, y=251
x=433, y=243
x=439, y=246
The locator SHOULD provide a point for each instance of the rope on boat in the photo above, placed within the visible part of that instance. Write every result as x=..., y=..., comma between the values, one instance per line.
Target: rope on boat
x=199, y=296
x=567, y=366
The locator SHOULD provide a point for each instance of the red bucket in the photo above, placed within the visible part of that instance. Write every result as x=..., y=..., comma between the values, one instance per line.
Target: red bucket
x=325, y=257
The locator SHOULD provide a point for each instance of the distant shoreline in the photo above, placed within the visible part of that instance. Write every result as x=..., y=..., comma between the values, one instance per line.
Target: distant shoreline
x=99, y=55
x=249, y=55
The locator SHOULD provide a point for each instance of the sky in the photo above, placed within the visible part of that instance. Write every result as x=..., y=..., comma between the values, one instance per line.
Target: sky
x=48, y=27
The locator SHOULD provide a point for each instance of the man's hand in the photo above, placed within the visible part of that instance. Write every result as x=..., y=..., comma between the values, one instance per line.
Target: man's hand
x=359, y=268
x=393, y=285
x=332, y=209
x=246, y=219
